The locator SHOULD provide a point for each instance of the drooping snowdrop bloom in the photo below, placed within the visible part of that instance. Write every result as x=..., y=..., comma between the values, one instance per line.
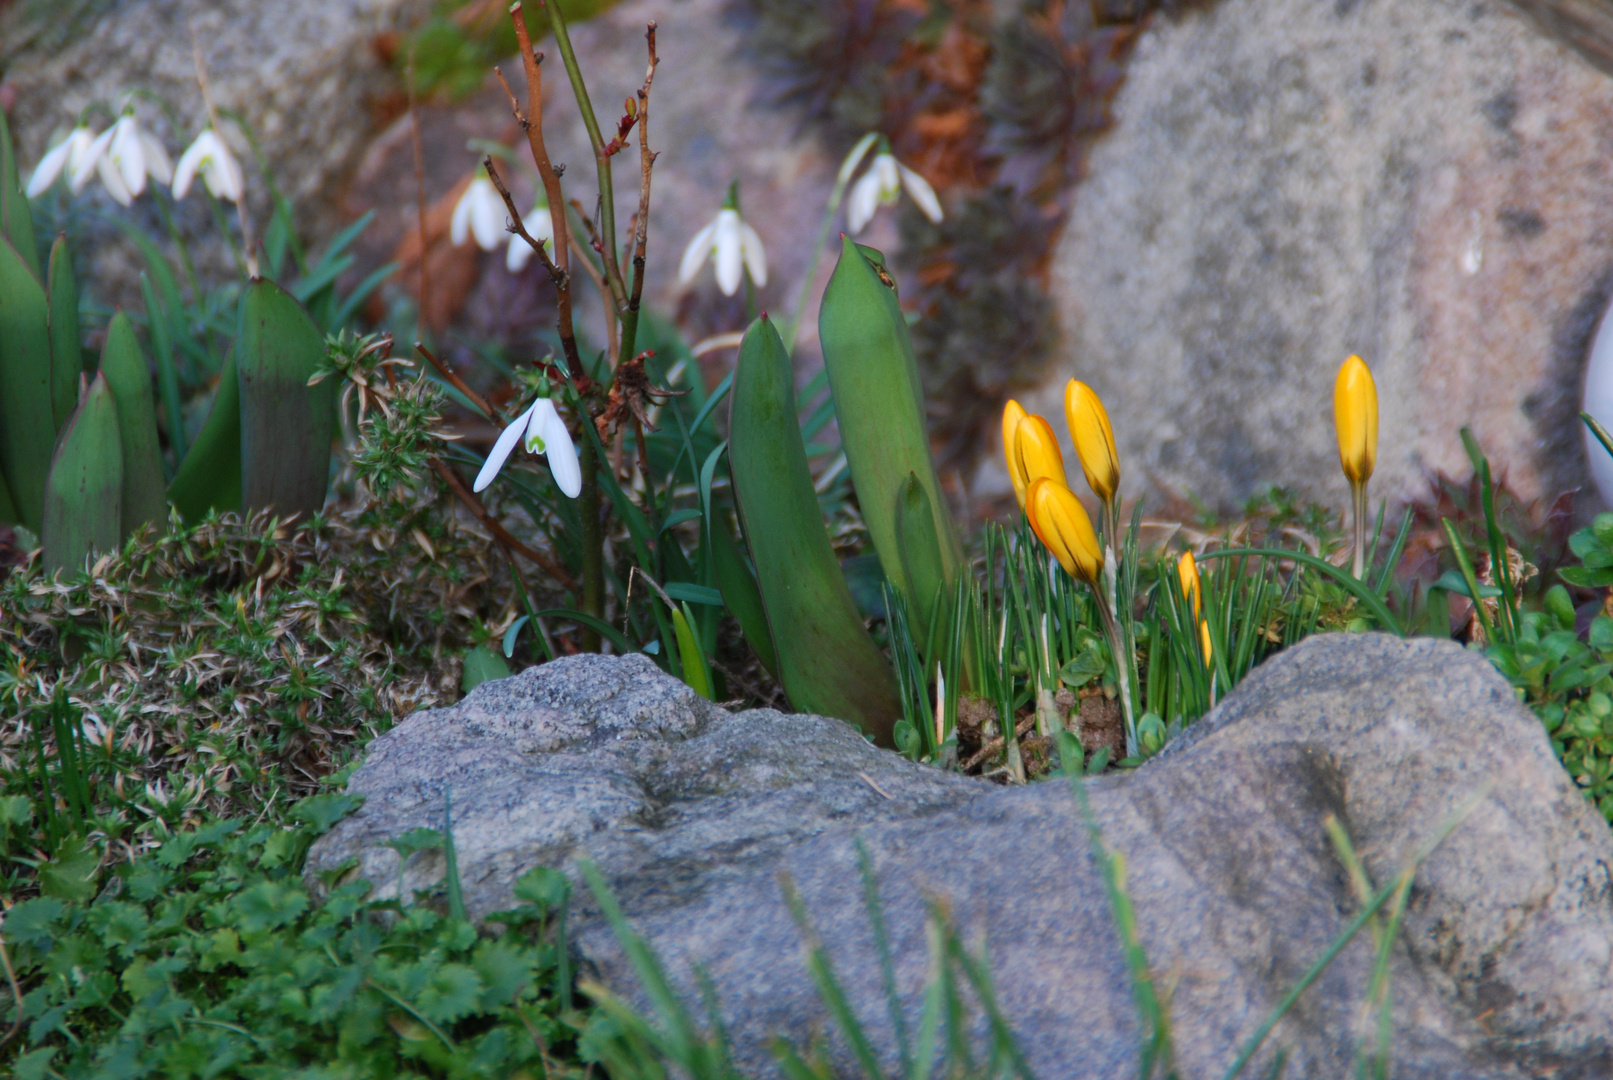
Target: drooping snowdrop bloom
x=882, y=185
x=124, y=156
x=541, y=226
x=210, y=157
x=479, y=213
x=730, y=243
x=63, y=157
x=544, y=433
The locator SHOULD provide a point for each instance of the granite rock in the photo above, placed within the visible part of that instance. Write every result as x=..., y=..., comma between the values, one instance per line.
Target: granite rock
x=692, y=813
x=1423, y=182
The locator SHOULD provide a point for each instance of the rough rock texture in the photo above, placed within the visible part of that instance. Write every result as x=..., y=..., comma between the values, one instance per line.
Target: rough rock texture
x=1502, y=970
x=1424, y=182
x=611, y=757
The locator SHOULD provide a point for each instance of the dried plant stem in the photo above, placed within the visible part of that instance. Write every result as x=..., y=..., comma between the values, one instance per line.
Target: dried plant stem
x=496, y=527
x=456, y=382
x=641, y=220
x=420, y=198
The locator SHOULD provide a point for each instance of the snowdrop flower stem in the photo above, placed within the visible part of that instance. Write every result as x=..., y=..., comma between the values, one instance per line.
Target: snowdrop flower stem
x=847, y=168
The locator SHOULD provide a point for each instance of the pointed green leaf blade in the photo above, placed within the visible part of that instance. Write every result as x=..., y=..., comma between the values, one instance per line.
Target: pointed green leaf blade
x=124, y=368
x=16, y=220
x=483, y=663
x=66, y=351
x=27, y=429
x=740, y=593
x=827, y=662
x=285, y=423
x=880, y=406
x=923, y=565
x=84, y=499
x=210, y=476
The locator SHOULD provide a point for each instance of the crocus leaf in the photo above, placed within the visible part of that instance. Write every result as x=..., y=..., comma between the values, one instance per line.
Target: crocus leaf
x=84, y=496
x=124, y=368
x=66, y=354
x=27, y=425
x=826, y=660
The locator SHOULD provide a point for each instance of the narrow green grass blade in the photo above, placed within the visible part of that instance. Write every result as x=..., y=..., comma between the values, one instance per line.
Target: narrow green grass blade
x=1386, y=576
x=695, y=671
x=84, y=496
x=209, y=477
x=16, y=220
x=1359, y=589
x=27, y=425
x=827, y=662
x=882, y=945
x=66, y=353
x=828, y=986
x=286, y=424
x=124, y=368
x=1469, y=577
x=868, y=354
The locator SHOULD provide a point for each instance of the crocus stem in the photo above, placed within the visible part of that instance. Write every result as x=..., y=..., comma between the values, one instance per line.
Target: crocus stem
x=1358, y=493
x=1117, y=646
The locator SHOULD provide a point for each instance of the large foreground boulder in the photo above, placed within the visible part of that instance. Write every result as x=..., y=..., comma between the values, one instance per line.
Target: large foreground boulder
x=692, y=813
x=1422, y=182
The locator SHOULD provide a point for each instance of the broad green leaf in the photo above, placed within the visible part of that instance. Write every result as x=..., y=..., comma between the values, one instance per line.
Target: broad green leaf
x=71, y=872
x=923, y=564
x=827, y=662
x=84, y=495
x=286, y=425
x=66, y=351
x=123, y=367
x=16, y=220
x=880, y=406
x=320, y=812
x=27, y=426
x=210, y=476
x=481, y=665
x=739, y=591
x=268, y=905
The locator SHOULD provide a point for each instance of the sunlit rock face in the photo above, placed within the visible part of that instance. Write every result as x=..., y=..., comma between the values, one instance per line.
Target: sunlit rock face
x=1424, y=182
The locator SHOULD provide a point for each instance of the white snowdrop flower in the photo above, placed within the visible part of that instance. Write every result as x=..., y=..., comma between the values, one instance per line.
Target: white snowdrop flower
x=545, y=433
x=541, y=226
x=123, y=156
x=882, y=185
x=730, y=243
x=210, y=157
x=479, y=213
x=63, y=157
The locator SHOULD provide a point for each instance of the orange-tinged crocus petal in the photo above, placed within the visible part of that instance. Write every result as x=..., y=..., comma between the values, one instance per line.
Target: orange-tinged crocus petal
x=1204, y=639
x=1355, y=413
x=1094, y=440
x=1038, y=450
x=1187, y=570
x=1062, y=525
x=1013, y=413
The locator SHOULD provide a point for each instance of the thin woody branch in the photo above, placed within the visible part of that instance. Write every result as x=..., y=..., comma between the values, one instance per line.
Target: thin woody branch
x=496, y=527
x=641, y=225
x=456, y=382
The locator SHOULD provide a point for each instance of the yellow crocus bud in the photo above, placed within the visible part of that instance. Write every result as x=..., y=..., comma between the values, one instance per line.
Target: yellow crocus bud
x=1355, y=414
x=1013, y=413
x=1038, y=450
x=1094, y=441
x=1204, y=639
x=1062, y=525
x=1188, y=571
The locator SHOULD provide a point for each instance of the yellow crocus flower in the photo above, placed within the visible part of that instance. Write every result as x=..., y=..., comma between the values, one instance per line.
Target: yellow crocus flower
x=1355, y=414
x=1204, y=639
x=1013, y=413
x=1094, y=440
x=1038, y=450
x=1187, y=570
x=1062, y=525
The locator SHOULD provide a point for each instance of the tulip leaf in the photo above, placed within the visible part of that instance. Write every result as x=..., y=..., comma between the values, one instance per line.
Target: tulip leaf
x=880, y=407
x=286, y=425
x=210, y=476
x=739, y=591
x=826, y=661
x=66, y=353
x=8, y=509
x=923, y=566
x=482, y=664
x=124, y=368
x=84, y=497
x=27, y=428
x=16, y=220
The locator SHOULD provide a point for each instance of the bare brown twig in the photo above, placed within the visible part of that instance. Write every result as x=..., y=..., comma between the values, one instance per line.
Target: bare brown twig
x=496, y=527
x=419, y=193
x=457, y=383
x=646, y=164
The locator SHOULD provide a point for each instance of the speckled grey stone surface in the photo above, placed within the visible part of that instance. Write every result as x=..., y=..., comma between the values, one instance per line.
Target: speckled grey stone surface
x=692, y=813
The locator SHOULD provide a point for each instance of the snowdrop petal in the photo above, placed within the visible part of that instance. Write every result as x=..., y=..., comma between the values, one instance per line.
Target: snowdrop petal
x=507, y=441
x=112, y=180
x=518, y=255
x=223, y=175
x=50, y=166
x=921, y=192
x=730, y=260
x=890, y=178
x=87, y=164
x=541, y=225
x=158, y=165
x=559, y=449
x=129, y=153
x=191, y=160
x=694, y=256
x=459, y=224
x=864, y=199
x=755, y=254
x=855, y=158
x=488, y=216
